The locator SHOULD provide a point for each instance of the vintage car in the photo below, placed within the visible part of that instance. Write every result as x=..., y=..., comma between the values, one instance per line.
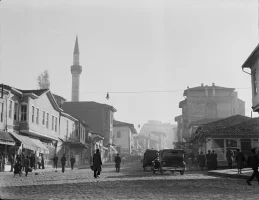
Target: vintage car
x=149, y=156
x=172, y=160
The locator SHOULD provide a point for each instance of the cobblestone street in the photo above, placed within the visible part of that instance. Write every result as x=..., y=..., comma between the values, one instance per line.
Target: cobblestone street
x=131, y=183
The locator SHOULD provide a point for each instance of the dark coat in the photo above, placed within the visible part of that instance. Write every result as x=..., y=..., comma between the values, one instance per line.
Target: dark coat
x=26, y=163
x=202, y=160
x=97, y=162
x=72, y=160
x=63, y=160
x=117, y=161
x=55, y=159
x=253, y=161
x=240, y=160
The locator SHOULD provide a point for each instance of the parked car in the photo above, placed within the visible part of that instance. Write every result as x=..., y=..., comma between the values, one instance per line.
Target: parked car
x=149, y=156
x=172, y=160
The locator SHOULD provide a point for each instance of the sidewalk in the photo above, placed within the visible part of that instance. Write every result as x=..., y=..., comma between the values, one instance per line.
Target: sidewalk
x=232, y=173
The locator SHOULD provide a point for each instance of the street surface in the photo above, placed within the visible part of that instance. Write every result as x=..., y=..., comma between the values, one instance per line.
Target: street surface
x=131, y=183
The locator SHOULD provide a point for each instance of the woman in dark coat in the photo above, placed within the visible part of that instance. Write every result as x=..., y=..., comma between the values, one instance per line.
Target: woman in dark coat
x=240, y=160
x=202, y=161
x=97, y=164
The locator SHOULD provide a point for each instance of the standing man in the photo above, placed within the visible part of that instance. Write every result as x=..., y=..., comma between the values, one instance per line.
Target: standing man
x=42, y=161
x=229, y=157
x=208, y=158
x=240, y=160
x=97, y=164
x=72, y=162
x=26, y=165
x=63, y=162
x=253, y=161
x=117, y=162
x=202, y=161
x=11, y=160
x=55, y=160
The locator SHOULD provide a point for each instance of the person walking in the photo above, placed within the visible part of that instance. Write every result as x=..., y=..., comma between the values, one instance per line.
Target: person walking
x=117, y=162
x=123, y=160
x=240, y=160
x=253, y=161
x=63, y=162
x=202, y=161
x=39, y=161
x=55, y=160
x=72, y=162
x=229, y=157
x=26, y=165
x=11, y=160
x=42, y=161
x=97, y=164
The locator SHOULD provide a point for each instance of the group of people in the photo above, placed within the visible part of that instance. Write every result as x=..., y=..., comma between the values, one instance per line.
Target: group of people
x=210, y=160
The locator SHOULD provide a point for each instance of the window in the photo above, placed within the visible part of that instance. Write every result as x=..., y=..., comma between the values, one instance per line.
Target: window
x=32, y=115
x=67, y=127
x=254, y=82
x=1, y=111
x=10, y=108
x=23, y=112
x=118, y=134
x=43, y=117
x=52, y=126
x=37, y=116
x=16, y=110
x=56, y=123
x=47, y=121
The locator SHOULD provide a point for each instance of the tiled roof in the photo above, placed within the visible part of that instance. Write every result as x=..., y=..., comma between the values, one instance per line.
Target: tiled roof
x=248, y=126
x=79, y=104
x=223, y=123
x=202, y=122
x=37, y=92
x=131, y=126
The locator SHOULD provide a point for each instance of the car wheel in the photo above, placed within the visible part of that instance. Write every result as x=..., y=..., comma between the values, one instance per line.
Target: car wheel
x=182, y=172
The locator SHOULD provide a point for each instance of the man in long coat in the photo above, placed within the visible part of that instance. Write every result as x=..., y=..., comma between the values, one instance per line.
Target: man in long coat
x=209, y=160
x=240, y=160
x=202, y=161
x=97, y=164
x=253, y=161
x=117, y=161
x=63, y=162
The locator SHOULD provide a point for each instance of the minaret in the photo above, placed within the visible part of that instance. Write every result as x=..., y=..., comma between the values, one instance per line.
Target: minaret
x=76, y=70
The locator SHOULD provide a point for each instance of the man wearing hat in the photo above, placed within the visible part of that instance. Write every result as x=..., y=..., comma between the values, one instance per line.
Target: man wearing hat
x=253, y=161
x=117, y=162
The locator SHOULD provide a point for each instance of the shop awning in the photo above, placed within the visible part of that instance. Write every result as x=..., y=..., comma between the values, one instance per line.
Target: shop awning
x=43, y=148
x=26, y=142
x=6, y=138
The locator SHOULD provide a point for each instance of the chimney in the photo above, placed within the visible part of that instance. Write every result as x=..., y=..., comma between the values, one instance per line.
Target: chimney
x=202, y=85
x=213, y=89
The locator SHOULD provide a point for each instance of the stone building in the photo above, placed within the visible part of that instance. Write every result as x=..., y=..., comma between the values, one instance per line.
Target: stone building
x=207, y=103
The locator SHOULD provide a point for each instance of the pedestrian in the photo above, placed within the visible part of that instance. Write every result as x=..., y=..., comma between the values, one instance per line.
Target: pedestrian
x=11, y=160
x=55, y=160
x=208, y=158
x=229, y=157
x=97, y=164
x=42, y=161
x=63, y=162
x=1, y=161
x=253, y=161
x=123, y=160
x=39, y=161
x=26, y=165
x=214, y=160
x=72, y=162
x=240, y=160
x=117, y=161
x=17, y=167
x=202, y=161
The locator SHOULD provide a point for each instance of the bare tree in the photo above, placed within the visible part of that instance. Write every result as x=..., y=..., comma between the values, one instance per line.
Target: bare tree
x=43, y=80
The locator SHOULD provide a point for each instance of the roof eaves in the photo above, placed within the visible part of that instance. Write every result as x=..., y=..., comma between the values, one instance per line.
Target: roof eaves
x=245, y=65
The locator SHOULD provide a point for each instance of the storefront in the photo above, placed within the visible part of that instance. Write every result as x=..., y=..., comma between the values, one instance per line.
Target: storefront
x=7, y=143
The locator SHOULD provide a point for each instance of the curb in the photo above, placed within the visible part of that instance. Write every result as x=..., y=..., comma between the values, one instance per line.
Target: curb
x=237, y=176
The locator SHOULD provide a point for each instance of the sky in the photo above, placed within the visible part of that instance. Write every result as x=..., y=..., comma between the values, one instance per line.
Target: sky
x=130, y=46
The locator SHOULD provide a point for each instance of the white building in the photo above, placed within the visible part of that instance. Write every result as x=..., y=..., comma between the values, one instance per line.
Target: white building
x=123, y=137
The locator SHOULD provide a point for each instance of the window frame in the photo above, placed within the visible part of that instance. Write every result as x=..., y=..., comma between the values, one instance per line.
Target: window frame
x=16, y=111
x=56, y=124
x=53, y=122
x=37, y=115
x=24, y=113
x=43, y=118
x=47, y=120
x=10, y=109
x=254, y=81
x=33, y=113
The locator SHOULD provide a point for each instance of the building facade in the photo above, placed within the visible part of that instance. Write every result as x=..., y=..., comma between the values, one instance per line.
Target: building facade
x=99, y=118
x=123, y=137
x=252, y=62
x=209, y=103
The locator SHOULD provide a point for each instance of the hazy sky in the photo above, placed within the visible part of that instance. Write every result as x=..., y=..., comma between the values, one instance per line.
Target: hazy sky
x=129, y=46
